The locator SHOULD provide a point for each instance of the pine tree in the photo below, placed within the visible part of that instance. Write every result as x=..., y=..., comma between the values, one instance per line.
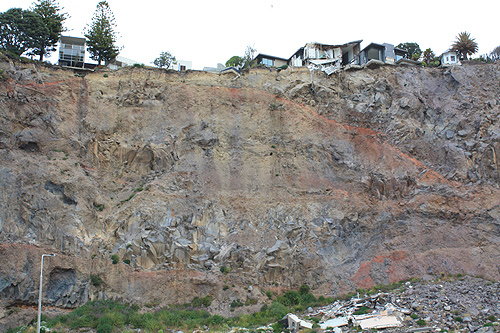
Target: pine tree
x=45, y=41
x=101, y=35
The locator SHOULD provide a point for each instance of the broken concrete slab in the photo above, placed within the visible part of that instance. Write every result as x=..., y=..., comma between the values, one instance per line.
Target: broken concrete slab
x=377, y=321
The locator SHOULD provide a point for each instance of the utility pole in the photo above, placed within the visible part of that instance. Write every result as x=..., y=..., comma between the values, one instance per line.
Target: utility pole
x=40, y=292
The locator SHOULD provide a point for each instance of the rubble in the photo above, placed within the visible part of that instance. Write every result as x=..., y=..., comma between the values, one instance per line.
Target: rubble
x=463, y=304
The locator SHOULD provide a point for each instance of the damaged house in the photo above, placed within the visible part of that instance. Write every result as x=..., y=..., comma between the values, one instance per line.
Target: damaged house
x=331, y=58
x=328, y=58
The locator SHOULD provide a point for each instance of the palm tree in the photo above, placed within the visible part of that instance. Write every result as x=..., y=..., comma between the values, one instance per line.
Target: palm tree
x=464, y=45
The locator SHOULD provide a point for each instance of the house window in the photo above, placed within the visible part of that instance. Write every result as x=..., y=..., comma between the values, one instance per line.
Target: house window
x=183, y=68
x=267, y=62
x=452, y=58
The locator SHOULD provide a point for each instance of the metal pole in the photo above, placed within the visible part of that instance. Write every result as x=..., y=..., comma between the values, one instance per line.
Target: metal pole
x=40, y=292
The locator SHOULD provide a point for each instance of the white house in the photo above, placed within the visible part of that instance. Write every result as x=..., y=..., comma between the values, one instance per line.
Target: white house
x=449, y=58
x=181, y=65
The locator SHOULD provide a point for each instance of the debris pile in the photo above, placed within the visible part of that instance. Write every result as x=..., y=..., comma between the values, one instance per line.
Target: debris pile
x=465, y=304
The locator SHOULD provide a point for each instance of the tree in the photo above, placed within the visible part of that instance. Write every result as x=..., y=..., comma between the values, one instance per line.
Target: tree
x=428, y=56
x=101, y=35
x=45, y=41
x=413, y=49
x=18, y=29
x=464, y=45
x=235, y=61
x=495, y=54
x=248, y=61
x=164, y=60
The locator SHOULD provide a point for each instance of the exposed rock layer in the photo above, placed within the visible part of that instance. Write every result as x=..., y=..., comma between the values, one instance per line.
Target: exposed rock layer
x=361, y=178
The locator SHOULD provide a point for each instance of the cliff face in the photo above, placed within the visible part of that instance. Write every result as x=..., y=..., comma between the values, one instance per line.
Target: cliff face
x=283, y=178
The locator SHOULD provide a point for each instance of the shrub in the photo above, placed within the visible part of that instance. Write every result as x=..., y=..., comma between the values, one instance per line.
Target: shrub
x=491, y=318
x=307, y=299
x=105, y=75
x=414, y=316
x=216, y=320
x=138, y=65
x=224, y=270
x=304, y=289
x=421, y=322
x=269, y=294
x=250, y=301
x=277, y=310
x=199, y=302
x=277, y=327
x=362, y=310
x=115, y=259
x=225, y=287
x=127, y=261
x=3, y=75
x=458, y=319
x=236, y=304
x=96, y=280
x=291, y=297
x=99, y=207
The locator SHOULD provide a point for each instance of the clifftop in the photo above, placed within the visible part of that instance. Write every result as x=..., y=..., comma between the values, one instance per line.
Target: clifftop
x=362, y=178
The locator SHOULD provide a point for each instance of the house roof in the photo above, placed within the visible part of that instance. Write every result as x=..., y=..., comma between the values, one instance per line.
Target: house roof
x=262, y=55
x=73, y=40
x=373, y=45
x=448, y=51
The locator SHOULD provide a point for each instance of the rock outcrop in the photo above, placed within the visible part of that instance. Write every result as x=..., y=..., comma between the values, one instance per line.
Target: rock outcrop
x=276, y=178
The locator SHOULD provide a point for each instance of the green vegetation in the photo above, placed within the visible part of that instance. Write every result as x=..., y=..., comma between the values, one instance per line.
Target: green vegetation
x=110, y=316
x=362, y=310
x=139, y=189
x=421, y=322
x=199, y=302
x=101, y=35
x=236, y=304
x=234, y=61
x=224, y=270
x=491, y=318
x=96, y=280
x=413, y=49
x=458, y=319
x=115, y=259
x=3, y=76
x=19, y=30
x=414, y=316
x=164, y=60
x=465, y=45
x=52, y=20
x=99, y=207
x=127, y=261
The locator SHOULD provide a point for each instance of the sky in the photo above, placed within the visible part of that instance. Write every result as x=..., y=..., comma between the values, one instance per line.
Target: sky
x=210, y=32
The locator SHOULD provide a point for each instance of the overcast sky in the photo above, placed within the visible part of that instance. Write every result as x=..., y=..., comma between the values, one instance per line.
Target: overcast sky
x=210, y=32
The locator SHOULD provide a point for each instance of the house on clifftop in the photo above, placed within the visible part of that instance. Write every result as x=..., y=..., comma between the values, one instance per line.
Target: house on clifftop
x=71, y=51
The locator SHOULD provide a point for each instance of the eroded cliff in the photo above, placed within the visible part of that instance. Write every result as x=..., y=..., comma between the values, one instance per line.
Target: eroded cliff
x=282, y=178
